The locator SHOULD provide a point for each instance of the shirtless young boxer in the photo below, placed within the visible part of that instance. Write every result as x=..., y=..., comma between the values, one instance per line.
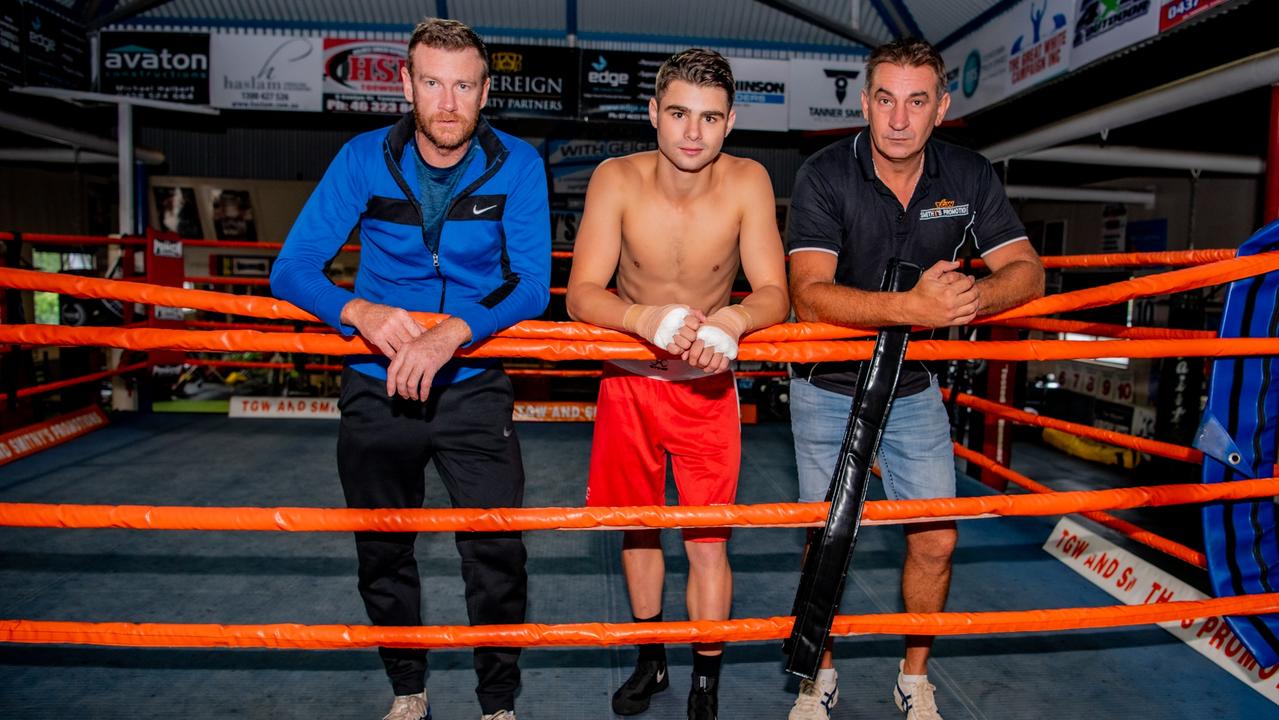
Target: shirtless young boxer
x=674, y=225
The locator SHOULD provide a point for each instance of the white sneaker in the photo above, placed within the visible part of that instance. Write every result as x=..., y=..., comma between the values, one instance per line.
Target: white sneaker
x=410, y=707
x=500, y=715
x=915, y=699
x=816, y=700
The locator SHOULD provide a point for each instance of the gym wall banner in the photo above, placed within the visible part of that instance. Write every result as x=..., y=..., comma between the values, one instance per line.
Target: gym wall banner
x=977, y=70
x=825, y=94
x=572, y=161
x=617, y=85
x=564, y=225
x=11, y=46
x=1176, y=12
x=363, y=76
x=156, y=65
x=55, y=49
x=761, y=99
x=266, y=72
x=532, y=81
x=1039, y=34
x=1105, y=26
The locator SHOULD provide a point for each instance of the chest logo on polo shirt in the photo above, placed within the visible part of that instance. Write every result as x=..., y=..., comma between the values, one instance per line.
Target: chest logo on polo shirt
x=944, y=209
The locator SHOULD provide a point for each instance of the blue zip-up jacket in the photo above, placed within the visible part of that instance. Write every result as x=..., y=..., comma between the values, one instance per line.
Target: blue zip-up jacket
x=489, y=265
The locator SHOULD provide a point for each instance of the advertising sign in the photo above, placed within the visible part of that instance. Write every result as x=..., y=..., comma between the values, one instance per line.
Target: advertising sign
x=532, y=81
x=363, y=76
x=1040, y=33
x=266, y=72
x=56, y=50
x=572, y=161
x=825, y=94
x=1104, y=26
x=10, y=45
x=761, y=99
x=1133, y=581
x=1176, y=12
x=156, y=65
x=617, y=85
x=977, y=70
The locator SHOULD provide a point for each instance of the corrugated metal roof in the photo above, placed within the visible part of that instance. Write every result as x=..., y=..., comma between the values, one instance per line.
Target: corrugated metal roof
x=746, y=27
x=743, y=24
x=939, y=18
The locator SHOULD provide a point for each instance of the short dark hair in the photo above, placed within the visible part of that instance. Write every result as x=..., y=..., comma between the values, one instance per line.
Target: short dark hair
x=444, y=34
x=908, y=52
x=703, y=68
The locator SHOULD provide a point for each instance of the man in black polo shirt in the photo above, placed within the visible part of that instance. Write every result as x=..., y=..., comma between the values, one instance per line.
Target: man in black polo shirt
x=891, y=191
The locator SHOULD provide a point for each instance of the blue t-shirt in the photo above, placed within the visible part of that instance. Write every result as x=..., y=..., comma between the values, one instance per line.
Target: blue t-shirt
x=436, y=186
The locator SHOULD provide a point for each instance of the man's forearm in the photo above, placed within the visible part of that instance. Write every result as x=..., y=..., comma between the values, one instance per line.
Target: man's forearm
x=851, y=307
x=766, y=306
x=1015, y=283
x=591, y=303
x=453, y=331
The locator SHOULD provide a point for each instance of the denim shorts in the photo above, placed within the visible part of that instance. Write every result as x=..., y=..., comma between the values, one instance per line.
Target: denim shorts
x=915, y=455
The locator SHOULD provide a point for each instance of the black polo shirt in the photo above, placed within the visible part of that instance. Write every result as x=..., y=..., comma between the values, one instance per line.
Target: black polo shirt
x=840, y=206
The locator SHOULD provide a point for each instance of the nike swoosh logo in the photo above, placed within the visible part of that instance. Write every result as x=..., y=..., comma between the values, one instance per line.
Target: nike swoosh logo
x=506, y=432
x=660, y=675
x=481, y=210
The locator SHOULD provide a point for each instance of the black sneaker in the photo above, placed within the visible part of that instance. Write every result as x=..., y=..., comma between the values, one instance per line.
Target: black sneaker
x=634, y=695
x=703, y=699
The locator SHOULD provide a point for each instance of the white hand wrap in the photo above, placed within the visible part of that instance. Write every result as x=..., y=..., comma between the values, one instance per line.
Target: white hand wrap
x=669, y=325
x=718, y=340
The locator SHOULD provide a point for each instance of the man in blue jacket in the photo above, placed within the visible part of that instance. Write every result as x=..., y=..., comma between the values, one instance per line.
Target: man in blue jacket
x=453, y=219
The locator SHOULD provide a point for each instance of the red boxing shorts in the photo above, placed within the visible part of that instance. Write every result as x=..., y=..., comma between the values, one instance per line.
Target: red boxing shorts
x=639, y=420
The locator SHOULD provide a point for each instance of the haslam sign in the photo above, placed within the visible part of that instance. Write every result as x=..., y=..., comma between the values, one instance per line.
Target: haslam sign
x=266, y=72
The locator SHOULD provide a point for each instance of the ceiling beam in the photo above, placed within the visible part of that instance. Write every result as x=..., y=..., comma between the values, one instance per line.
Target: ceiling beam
x=72, y=156
x=976, y=23
x=84, y=96
x=1139, y=157
x=1223, y=81
x=906, y=21
x=73, y=138
x=1078, y=194
x=817, y=19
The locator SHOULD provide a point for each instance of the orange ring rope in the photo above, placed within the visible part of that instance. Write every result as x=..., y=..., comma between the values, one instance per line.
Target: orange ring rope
x=260, y=327
x=1169, y=258
x=71, y=382
x=336, y=637
x=879, y=512
x=1107, y=329
x=1145, y=537
x=513, y=372
x=235, y=244
x=261, y=365
x=147, y=294
x=1133, y=442
x=58, y=239
x=1174, y=281
x=498, y=347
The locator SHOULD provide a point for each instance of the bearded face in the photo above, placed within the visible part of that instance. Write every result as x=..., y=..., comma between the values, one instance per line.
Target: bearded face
x=447, y=89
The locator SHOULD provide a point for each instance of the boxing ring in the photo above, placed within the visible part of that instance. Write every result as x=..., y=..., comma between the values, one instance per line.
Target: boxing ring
x=254, y=579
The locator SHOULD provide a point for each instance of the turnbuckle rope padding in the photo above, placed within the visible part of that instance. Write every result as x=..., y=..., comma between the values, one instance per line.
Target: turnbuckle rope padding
x=827, y=556
x=1238, y=439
